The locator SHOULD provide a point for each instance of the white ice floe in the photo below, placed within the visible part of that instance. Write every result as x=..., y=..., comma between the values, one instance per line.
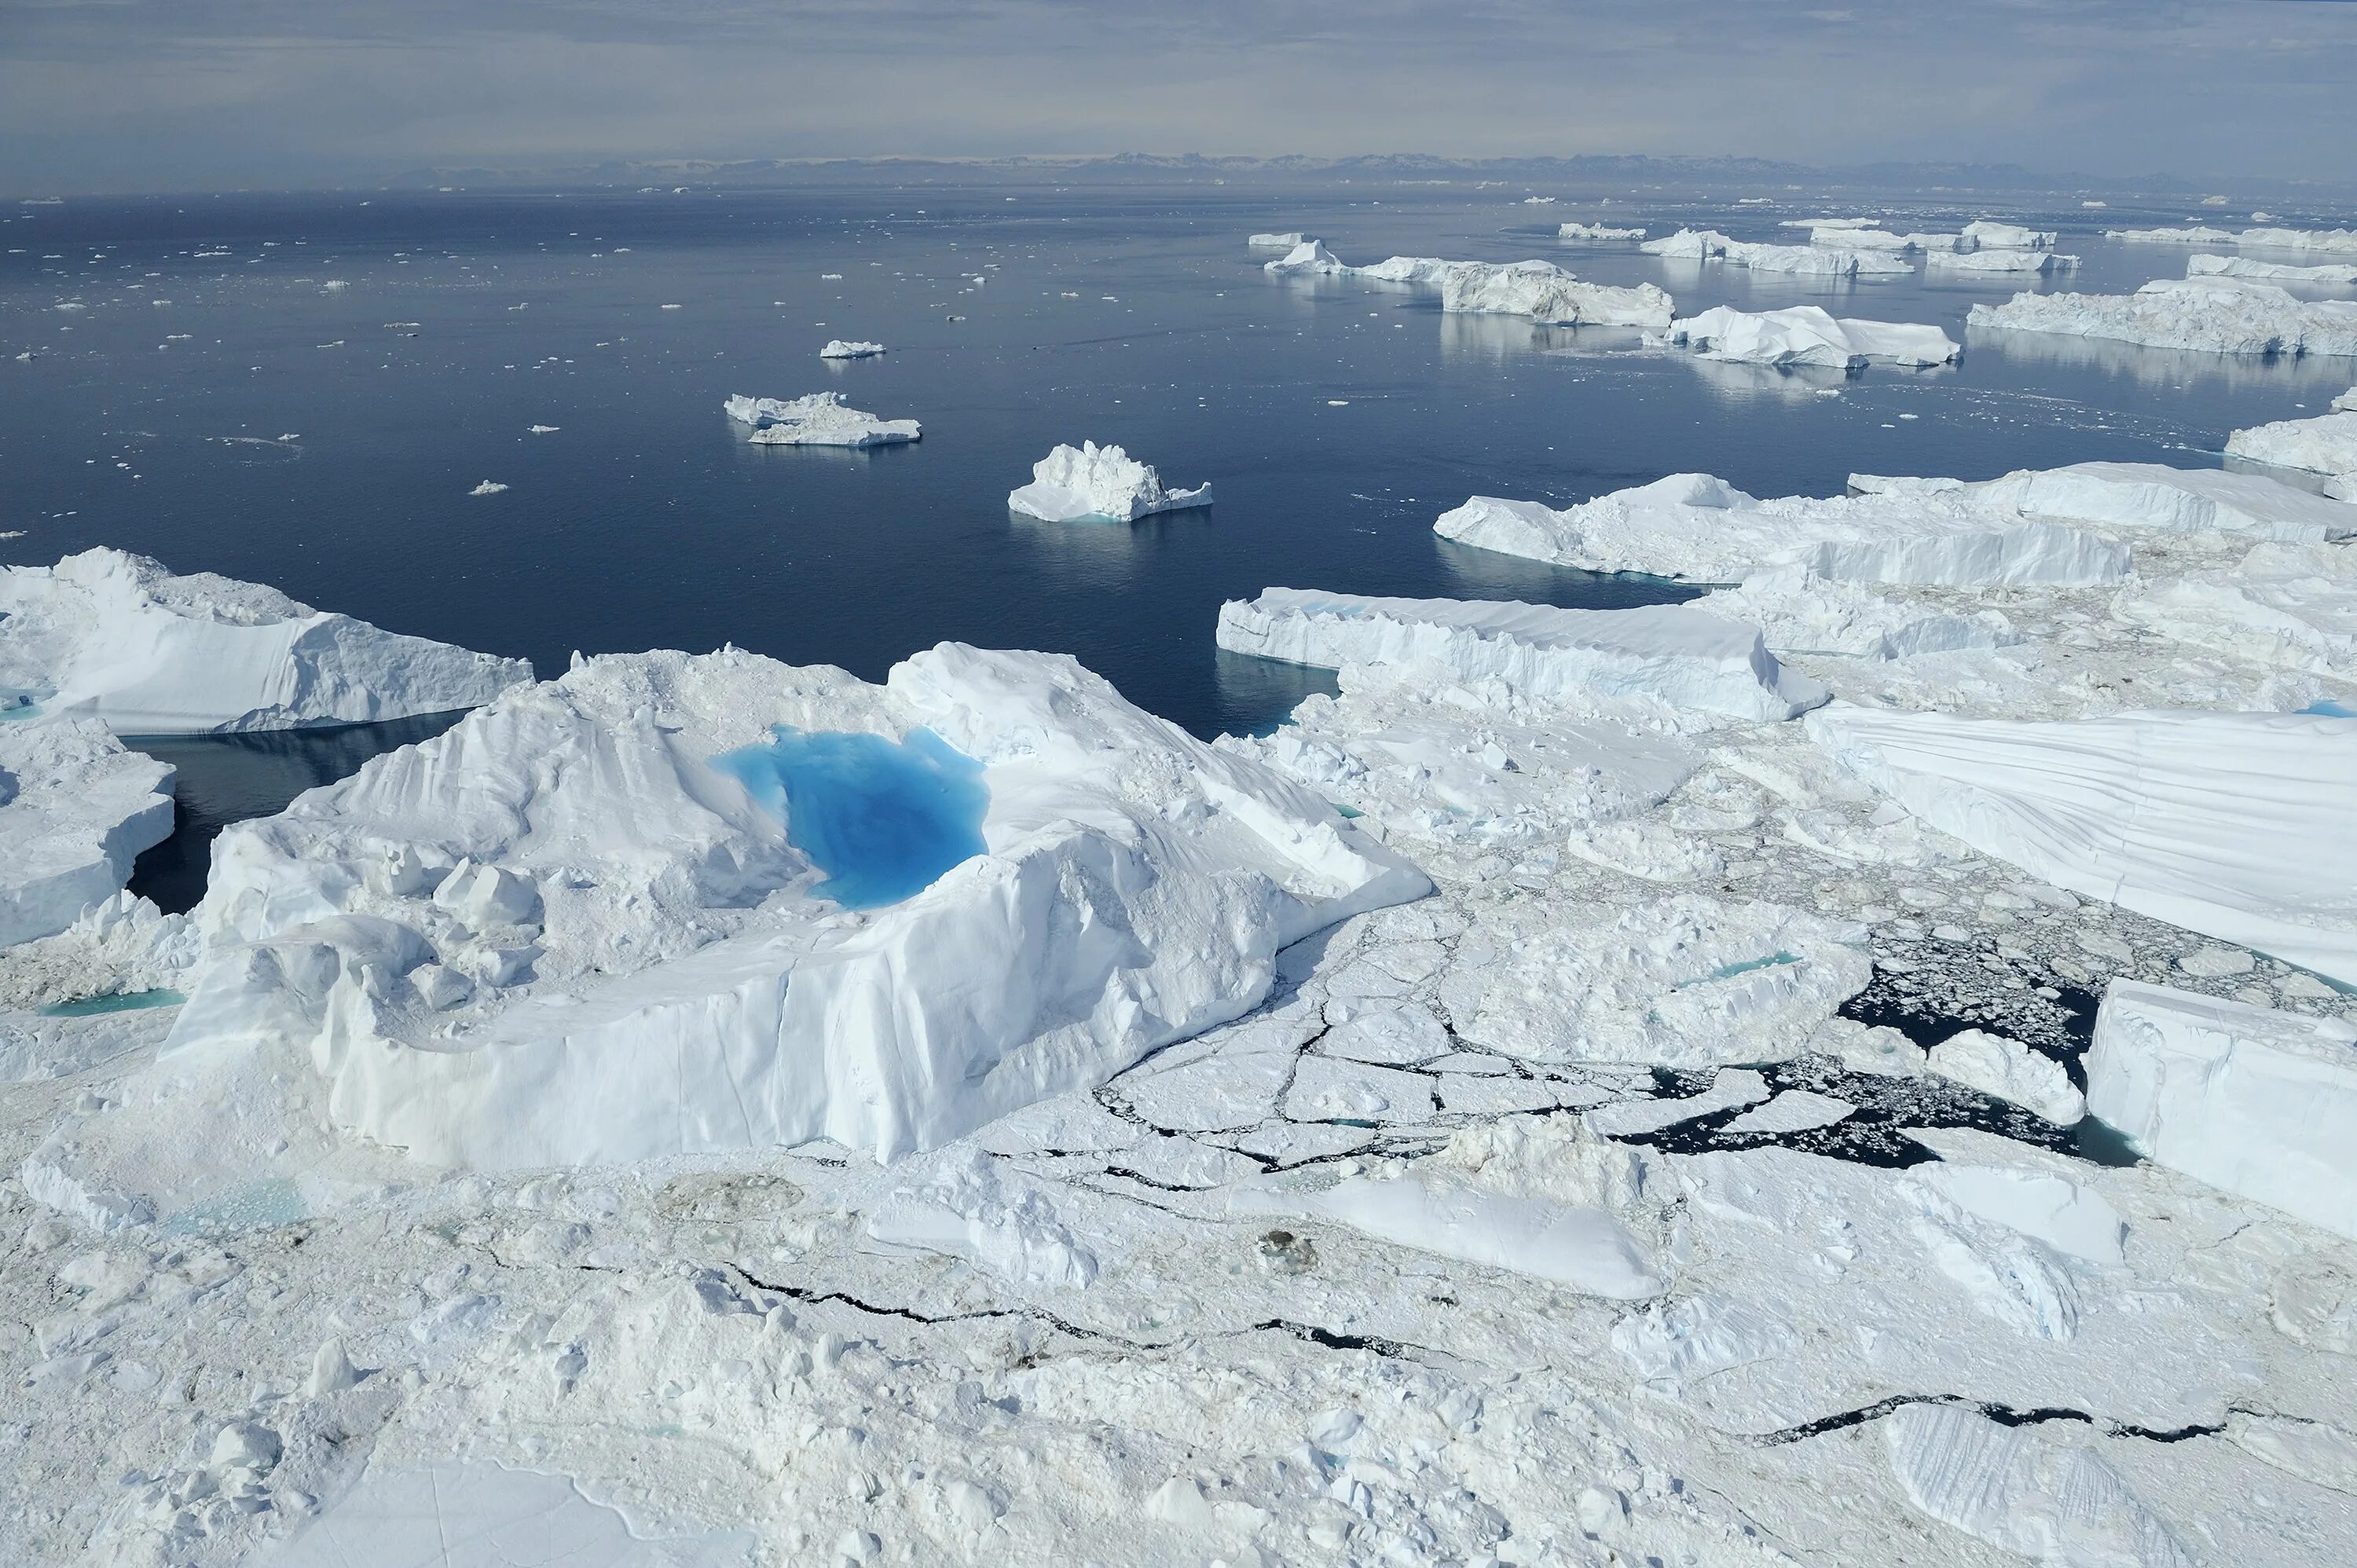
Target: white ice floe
x=2324, y=272
x=75, y=811
x=1999, y=260
x=1807, y=335
x=2218, y=315
x=2011, y=1071
x=1699, y=528
x=118, y=638
x=1708, y=245
x=1596, y=231
x=1993, y=234
x=1668, y=654
x=2253, y=1100
x=488, y=487
x=2324, y=445
x=2313, y=242
x=2290, y=605
x=820, y=419
x=1285, y=241
x=839, y=349
x=584, y=925
x=1073, y=483
x=2234, y=825
x=1549, y=295
x=1308, y=256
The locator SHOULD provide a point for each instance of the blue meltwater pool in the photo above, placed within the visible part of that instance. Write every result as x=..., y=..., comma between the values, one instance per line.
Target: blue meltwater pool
x=883, y=819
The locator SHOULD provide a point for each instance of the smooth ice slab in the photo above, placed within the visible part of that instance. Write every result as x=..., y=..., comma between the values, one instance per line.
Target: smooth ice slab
x=75, y=811
x=2254, y=1100
x=2211, y=315
x=1073, y=484
x=1664, y=653
x=2234, y=825
x=1285, y=241
x=1806, y=335
x=883, y=819
x=118, y=638
x=821, y=419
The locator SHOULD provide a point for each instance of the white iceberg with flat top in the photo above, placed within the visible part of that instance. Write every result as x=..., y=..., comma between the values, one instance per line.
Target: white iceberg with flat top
x=1993, y=233
x=587, y=924
x=1666, y=653
x=118, y=638
x=820, y=419
x=1309, y=256
x=2313, y=242
x=1285, y=242
x=2324, y=445
x=2253, y=1100
x=1999, y=260
x=75, y=811
x=1596, y=231
x=1073, y=483
x=2234, y=825
x=2211, y=315
x=2322, y=274
x=1709, y=244
x=1807, y=335
x=1549, y=295
x=839, y=349
x=2177, y=501
x=1428, y=270
x=1702, y=529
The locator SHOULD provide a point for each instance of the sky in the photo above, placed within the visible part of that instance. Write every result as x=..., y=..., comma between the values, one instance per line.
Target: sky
x=124, y=95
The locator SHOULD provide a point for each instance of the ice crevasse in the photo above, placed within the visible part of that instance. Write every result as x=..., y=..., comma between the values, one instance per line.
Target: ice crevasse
x=559, y=933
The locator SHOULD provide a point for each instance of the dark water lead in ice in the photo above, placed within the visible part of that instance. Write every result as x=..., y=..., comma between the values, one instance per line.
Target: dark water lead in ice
x=883, y=819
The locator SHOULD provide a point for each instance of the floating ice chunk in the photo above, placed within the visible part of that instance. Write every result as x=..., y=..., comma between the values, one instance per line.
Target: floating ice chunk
x=2291, y=606
x=2210, y=315
x=120, y=639
x=1286, y=241
x=2234, y=825
x=1846, y=236
x=1406, y=269
x=1806, y=335
x=838, y=348
x=2315, y=242
x=1708, y=245
x=1309, y=256
x=2012, y=1072
x=486, y=488
x=75, y=811
x=1991, y=233
x=1073, y=483
x=1999, y=260
x=821, y=419
x=1794, y=1110
x=2253, y=1100
x=535, y=430
x=1665, y=653
x=2327, y=272
x=2176, y=500
x=2055, y=1502
x=2324, y=445
x=686, y=989
x=1549, y=295
x=1702, y=529
x=1596, y=231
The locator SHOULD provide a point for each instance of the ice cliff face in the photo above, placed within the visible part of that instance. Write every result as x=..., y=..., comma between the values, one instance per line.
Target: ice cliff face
x=1550, y=295
x=1806, y=335
x=118, y=638
x=2211, y=315
x=75, y=811
x=1071, y=483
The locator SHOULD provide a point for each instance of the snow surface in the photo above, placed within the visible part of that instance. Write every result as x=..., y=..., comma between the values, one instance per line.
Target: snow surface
x=120, y=639
x=837, y=349
x=75, y=811
x=1073, y=484
x=820, y=419
x=2211, y=314
x=1807, y=335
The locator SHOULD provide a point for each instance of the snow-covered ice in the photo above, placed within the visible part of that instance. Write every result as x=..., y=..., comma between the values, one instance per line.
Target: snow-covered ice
x=2310, y=242
x=819, y=419
x=1807, y=335
x=1597, y=232
x=2323, y=273
x=2326, y=444
x=1308, y=256
x=1549, y=295
x=118, y=638
x=1708, y=245
x=2211, y=314
x=839, y=349
x=1988, y=259
x=2011, y=1071
x=1991, y=233
x=1075, y=483
x=1285, y=241
x=75, y=811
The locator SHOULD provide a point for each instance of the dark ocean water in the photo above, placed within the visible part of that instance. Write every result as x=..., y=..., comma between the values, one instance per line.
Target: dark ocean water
x=267, y=426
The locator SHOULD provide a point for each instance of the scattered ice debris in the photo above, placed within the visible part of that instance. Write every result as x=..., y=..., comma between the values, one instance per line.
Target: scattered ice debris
x=1285, y=242
x=1806, y=335
x=837, y=349
x=1988, y=259
x=2327, y=272
x=1990, y=233
x=2211, y=314
x=2313, y=242
x=1073, y=484
x=76, y=809
x=118, y=638
x=2011, y=1071
x=2254, y=1100
x=2234, y=825
x=486, y=488
x=1597, y=232
x=820, y=419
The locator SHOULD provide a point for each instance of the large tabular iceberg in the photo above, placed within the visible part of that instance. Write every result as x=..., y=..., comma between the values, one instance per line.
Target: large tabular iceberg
x=1285, y=241
x=2313, y=242
x=75, y=811
x=2254, y=1100
x=1550, y=295
x=1670, y=654
x=2006, y=261
x=2216, y=315
x=1807, y=335
x=820, y=419
x=2323, y=273
x=2234, y=825
x=1708, y=245
x=2157, y=496
x=1699, y=528
x=118, y=638
x=586, y=925
x=1072, y=483
x=2324, y=445
x=839, y=349
x=1992, y=233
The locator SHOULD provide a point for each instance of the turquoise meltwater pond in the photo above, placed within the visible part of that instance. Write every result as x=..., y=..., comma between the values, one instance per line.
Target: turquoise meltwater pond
x=882, y=817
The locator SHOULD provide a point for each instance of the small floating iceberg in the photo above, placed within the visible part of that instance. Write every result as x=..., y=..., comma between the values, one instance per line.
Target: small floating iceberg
x=1596, y=231
x=1998, y=260
x=821, y=419
x=488, y=487
x=1991, y=233
x=1549, y=295
x=837, y=349
x=1309, y=256
x=1818, y=261
x=1807, y=335
x=1278, y=242
x=2324, y=445
x=2322, y=274
x=1073, y=484
x=75, y=811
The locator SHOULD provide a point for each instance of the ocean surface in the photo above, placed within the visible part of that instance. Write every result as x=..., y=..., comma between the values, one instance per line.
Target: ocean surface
x=303, y=390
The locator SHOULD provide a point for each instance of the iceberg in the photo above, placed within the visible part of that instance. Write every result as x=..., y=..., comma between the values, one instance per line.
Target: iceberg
x=1844, y=236
x=1999, y=260
x=1708, y=245
x=2324, y=445
x=2216, y=315
x=1990, y=233
x=1596, y=231
x=1807, y=335
x=586, y=925
x=1668, y=654
x=2323, y=274
x=1407, y=268
x=1798, y=612
x=2234, y=825
x=1700, y=528
x=1309, y=256
x=1277, y=242
x=837, y=349
x=2315, y=242
x=1073, y=483
x=1549, y=295
x=2290, y=605
x=821, y=419
x=75, y=811
x=2154, y=496
x=2253, y=1100
x=118, y=638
